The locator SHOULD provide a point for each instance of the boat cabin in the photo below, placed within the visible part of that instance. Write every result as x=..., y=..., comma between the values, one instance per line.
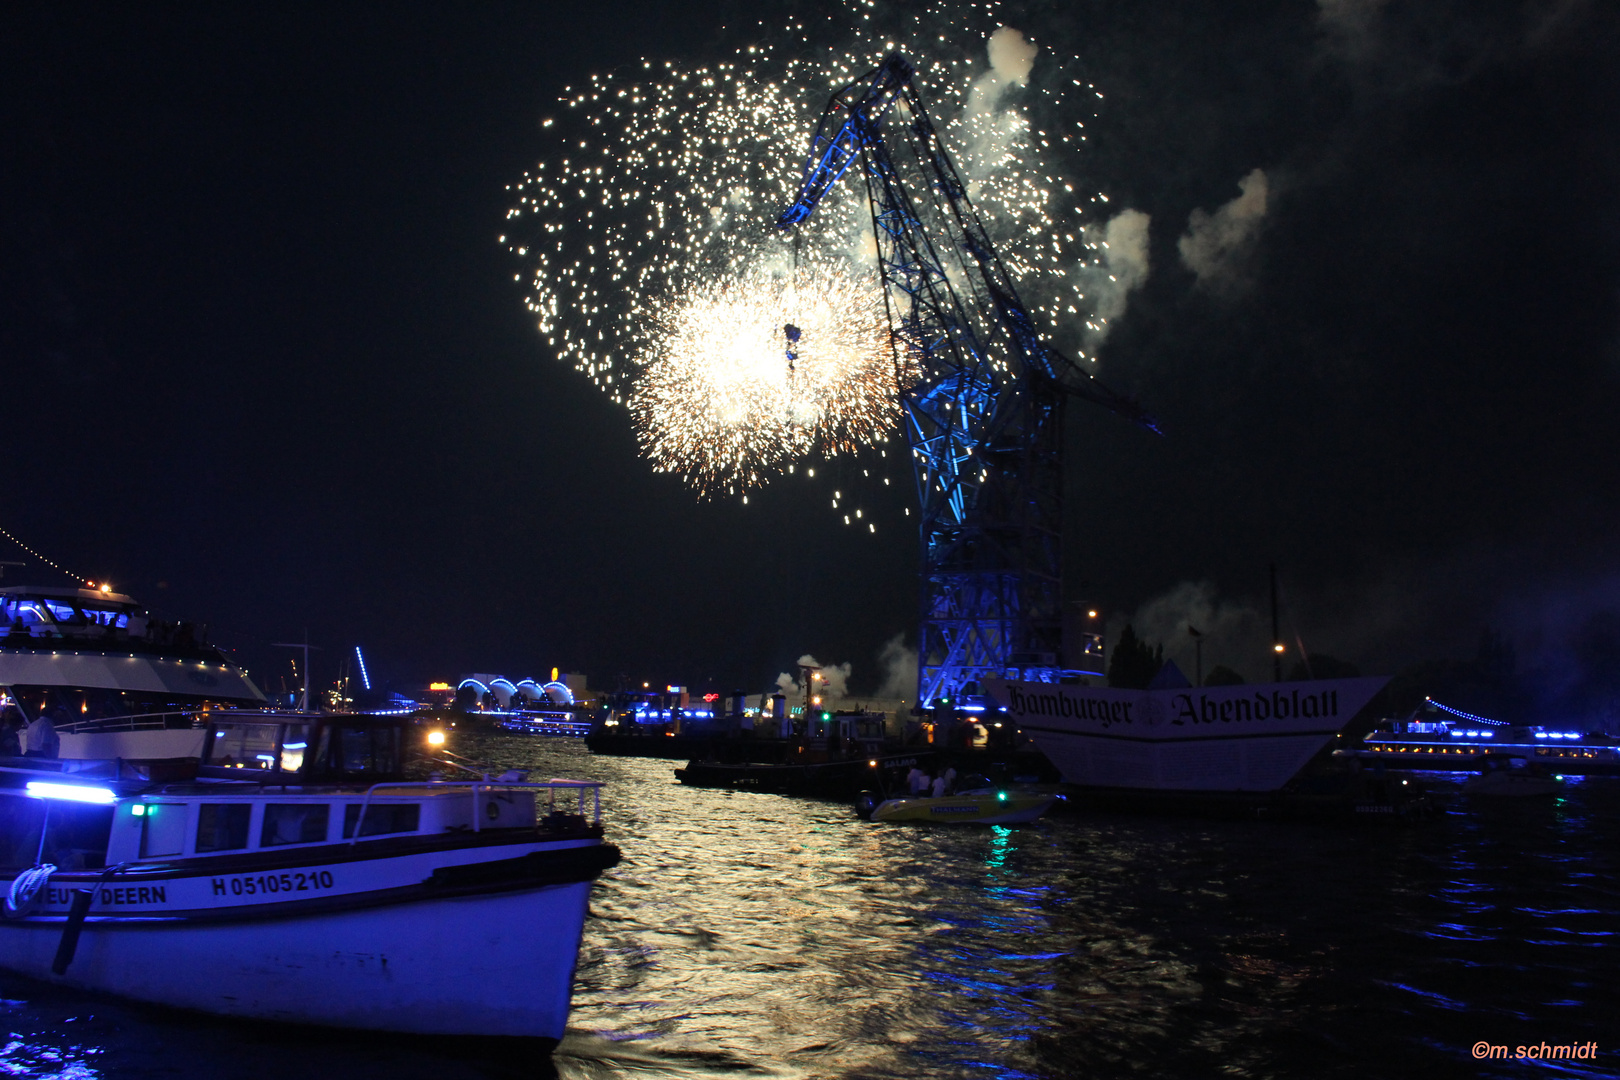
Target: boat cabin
x=316, y=748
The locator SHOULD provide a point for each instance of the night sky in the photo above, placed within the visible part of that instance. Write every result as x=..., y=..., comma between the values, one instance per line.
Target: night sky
x=264, y=365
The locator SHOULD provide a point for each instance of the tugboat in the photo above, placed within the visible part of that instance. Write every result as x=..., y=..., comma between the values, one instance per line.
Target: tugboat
x=297, y=874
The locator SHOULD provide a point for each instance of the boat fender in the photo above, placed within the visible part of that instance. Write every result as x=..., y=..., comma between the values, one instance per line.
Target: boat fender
x=25, y=890
x=70, y=933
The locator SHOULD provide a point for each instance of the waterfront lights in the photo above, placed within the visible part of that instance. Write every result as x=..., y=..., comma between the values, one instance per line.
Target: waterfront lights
x=44, y=789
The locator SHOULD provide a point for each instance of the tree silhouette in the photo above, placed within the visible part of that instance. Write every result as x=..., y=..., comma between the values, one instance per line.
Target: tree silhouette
x=1134, y=662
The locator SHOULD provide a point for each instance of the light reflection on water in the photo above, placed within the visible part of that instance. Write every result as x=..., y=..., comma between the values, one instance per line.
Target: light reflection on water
x=753, y=935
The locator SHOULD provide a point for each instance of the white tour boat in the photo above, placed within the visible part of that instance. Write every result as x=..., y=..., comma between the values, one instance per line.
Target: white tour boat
x=299, y=876
x=113, y=680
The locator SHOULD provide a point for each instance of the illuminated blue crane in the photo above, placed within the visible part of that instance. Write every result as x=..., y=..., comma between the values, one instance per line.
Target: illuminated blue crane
x=982, y=394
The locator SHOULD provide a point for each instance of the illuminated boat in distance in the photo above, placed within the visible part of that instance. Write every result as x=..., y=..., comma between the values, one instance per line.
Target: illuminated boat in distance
x=115, y=681
x=333, y=891
x=1442, y=738
x=1249, y=739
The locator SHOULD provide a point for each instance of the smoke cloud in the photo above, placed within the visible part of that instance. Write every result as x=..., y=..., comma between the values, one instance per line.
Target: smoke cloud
x=1216, y=247
x=834, y=684
x=993, y=133
x=1234, y=633
x=1123, y=242
x=899, y=664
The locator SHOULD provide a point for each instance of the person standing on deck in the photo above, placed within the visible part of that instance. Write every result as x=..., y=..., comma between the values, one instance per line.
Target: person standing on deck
x=43, y=741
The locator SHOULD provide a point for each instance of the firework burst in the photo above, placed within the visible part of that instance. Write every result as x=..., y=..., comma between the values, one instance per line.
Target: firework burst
x=749, y=373
x=657, y=274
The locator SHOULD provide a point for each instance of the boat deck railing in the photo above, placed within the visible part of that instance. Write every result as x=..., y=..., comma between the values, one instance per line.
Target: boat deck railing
x=481, y=789
x=130, y=722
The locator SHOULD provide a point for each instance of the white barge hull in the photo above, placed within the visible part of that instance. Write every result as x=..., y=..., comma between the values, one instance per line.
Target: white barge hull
x=498, y=964
x=1213, y=739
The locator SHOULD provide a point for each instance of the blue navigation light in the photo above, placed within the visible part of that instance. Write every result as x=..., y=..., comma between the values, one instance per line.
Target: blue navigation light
x=44, y=789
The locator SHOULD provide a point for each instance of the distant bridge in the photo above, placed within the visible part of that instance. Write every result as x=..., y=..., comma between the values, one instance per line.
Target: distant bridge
x=508, y=694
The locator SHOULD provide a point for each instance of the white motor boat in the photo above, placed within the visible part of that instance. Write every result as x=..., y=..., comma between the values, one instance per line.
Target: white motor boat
x=331, y=891
x=1505, y=775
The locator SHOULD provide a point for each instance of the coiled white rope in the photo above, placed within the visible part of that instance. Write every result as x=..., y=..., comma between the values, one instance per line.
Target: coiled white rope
x=25, y=889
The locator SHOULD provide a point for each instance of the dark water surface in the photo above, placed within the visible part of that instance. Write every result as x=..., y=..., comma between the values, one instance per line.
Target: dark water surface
x=753, y=935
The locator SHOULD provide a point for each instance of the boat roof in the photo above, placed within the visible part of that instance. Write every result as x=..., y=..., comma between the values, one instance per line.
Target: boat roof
x=63, y=592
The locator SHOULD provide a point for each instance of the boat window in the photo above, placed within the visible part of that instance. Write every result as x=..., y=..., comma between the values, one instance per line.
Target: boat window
x=222, y=826
x=76, y=835
x=20, y=822
x=163, y=829
x=252, y=746
x=25, y=611
x=382, y=818
x=64, y=612
x=293, y=823
x=358, y=749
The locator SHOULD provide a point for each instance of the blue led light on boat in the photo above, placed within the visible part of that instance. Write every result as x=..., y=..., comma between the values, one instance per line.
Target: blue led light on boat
x=44, y=789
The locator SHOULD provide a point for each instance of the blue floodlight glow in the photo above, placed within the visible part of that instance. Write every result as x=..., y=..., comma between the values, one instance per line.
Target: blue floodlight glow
x=294, y=745
x=44, y=789
x=365, y=678
x=265, y=757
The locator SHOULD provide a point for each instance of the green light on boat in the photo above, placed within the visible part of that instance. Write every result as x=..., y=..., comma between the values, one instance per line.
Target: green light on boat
x=1002, y=795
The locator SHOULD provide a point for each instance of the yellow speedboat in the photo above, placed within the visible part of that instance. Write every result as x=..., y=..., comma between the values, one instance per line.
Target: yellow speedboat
x=987, y=806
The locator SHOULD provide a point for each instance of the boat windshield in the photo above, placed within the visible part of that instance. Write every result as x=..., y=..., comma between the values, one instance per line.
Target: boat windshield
x=75, y=834
x=63, y=613
x=355, y=750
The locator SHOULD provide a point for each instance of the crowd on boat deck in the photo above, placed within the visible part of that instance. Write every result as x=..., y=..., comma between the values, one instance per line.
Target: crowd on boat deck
x=921, y=785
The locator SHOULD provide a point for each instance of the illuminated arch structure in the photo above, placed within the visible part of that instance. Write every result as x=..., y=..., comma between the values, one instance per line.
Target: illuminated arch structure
x=505, y=695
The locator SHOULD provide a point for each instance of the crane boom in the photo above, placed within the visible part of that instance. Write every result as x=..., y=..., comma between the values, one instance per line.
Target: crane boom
x=981, y=392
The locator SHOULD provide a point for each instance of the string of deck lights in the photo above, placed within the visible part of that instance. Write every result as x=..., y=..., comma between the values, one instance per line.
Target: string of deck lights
x=87, y=582
x=1466, y=716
